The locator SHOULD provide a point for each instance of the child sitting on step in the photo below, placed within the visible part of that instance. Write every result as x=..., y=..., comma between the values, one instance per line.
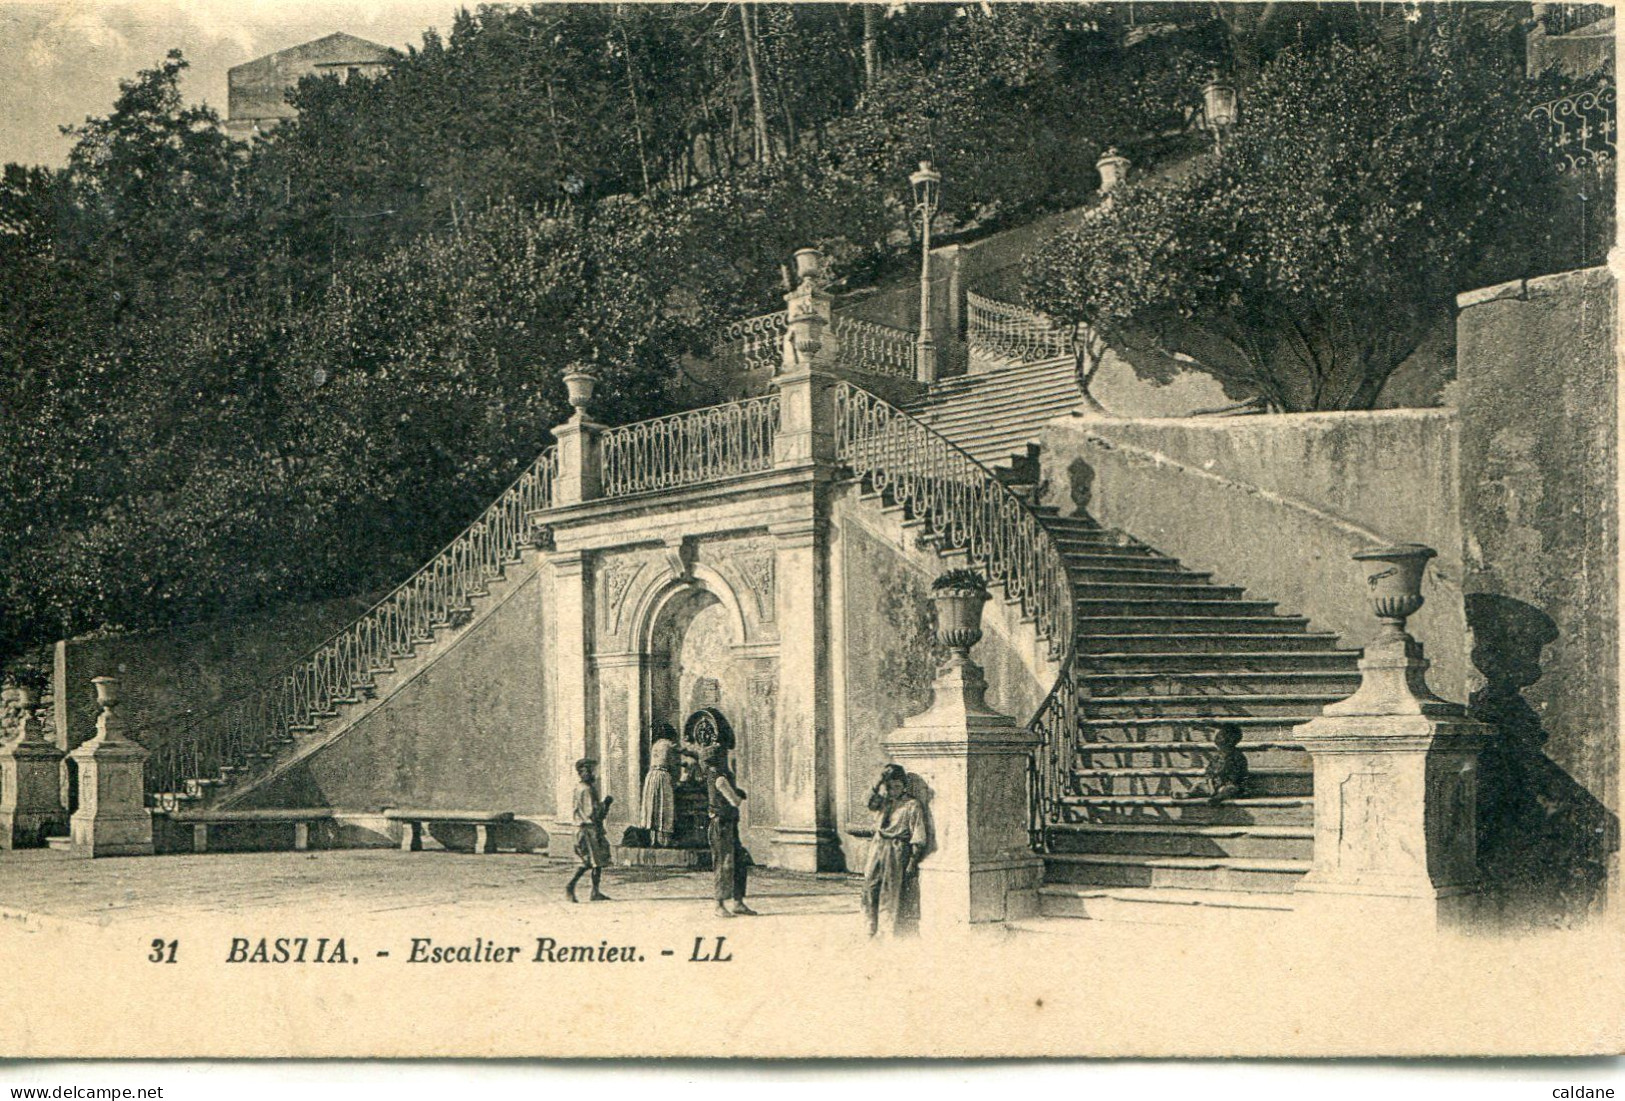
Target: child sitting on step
x=1225, y=777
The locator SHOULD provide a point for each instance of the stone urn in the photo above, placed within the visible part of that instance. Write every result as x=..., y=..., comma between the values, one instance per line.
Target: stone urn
x=959, y=596
x=1113, y=168
x=582, y=384
x=1394, y=582
x=106, y=692
x=809, y=264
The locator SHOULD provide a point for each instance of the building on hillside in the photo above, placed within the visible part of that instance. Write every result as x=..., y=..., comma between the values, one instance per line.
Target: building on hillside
x=257, y=91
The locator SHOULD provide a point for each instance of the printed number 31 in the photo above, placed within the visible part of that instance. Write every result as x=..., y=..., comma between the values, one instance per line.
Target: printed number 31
x=163, y=951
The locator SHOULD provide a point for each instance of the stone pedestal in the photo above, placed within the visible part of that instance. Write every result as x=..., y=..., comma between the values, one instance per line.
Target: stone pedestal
x=969, y=763
x=30, y=789
x=112, y=819
x=1396, y=781
x=580, y=474
x=806, y=432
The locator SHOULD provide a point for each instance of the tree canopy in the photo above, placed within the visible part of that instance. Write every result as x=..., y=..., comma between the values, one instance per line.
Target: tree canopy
x=1365, y=185
x=238, y=373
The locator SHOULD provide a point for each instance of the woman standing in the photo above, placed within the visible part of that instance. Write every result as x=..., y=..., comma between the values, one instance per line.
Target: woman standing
x=891, y=882
x=660, y=785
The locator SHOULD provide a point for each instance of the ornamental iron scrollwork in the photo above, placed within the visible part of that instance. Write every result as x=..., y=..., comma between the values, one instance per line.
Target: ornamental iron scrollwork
x=690, y=448
x=1005, y=331
x=1580, y=129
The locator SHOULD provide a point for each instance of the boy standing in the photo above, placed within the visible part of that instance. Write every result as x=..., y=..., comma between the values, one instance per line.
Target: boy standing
x=592, y=844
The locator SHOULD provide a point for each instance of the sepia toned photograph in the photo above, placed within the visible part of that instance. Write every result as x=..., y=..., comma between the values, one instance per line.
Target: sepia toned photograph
x=808, y=529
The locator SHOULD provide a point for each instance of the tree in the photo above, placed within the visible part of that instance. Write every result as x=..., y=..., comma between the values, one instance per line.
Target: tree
x=1361, y=191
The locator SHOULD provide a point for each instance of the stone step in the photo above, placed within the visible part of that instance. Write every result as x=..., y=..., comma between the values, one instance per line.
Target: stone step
x=1271, y=662
x=1096, y=606
x=1141, y=643
x=1218, y=621
x=1094, y=729
x=61, y=843
x=1173, y=587
x=1247, y=842
x=1278, y=756
x=1157, y=906
x=1182, y=780
x=1148, y=571
x=1222, y=873
x=968, y=389
x=1216, y=707
x=1031, y=408
x=1277, y=810
x=1083, y=562
x=1030, y=403
x=1334, y=682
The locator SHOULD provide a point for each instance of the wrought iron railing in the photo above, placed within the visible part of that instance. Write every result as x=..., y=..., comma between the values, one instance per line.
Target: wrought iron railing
x=961, y=501
x=1012, y=332
x=757, y=340
x=252, y=729
x=1581, y=129
x=1056, y=724
x=969, y=509
x=690, y=448
x=873, y=348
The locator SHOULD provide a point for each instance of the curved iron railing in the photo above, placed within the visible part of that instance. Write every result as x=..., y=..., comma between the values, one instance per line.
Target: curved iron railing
x=690, y=448
x=758, y=340
x=1011, y=332
x=873, y=348
x=1581, y=129
x=251, y=729
x=969, y=509
x=962, y=501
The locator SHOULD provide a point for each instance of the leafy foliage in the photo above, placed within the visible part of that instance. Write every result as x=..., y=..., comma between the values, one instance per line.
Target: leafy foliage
x=1363, y=188
x=237, y=374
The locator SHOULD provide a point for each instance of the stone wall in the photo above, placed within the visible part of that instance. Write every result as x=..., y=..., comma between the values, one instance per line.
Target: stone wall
x=467, y=731
x=1536, y=389
x=167, y=676
x=1277, y=504
x=886, y=654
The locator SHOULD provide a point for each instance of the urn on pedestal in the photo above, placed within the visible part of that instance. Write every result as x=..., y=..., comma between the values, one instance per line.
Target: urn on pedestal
x=112, y=819
x=30, y=786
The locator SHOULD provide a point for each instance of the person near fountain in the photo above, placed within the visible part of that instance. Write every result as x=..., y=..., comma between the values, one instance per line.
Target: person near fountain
x=891, y=881
x=660, y=785
x=592, y=843
x=729, y=860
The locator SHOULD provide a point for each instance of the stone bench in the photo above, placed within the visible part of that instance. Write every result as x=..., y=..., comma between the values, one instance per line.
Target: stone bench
x=301, y=818
x=416, y=820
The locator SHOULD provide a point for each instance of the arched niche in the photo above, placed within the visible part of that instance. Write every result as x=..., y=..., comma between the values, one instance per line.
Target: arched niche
x=691, y=633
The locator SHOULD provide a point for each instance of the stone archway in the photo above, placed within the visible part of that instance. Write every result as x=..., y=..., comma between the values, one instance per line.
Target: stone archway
x=690, y=663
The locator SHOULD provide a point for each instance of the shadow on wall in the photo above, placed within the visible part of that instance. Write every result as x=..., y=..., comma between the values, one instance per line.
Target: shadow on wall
x=1543, y=840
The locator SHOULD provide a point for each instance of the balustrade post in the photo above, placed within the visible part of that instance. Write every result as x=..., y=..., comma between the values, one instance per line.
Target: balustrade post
x=1396, y=775
x=30, y=784
x=112, y=819
x=806, y=402
x=973, y=762
x=580, y=465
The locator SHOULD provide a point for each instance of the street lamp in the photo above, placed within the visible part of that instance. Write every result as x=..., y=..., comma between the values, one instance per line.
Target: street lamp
x=927, y=185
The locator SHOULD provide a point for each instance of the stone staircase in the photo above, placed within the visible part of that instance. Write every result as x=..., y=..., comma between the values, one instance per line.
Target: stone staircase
x=1161, y=652
x=221, y=757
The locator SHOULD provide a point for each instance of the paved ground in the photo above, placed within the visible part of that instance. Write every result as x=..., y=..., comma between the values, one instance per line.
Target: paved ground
x=382, y=883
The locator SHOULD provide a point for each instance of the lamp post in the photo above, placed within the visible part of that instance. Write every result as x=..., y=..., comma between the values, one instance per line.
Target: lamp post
x=1220, y=108
x=927, y=186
